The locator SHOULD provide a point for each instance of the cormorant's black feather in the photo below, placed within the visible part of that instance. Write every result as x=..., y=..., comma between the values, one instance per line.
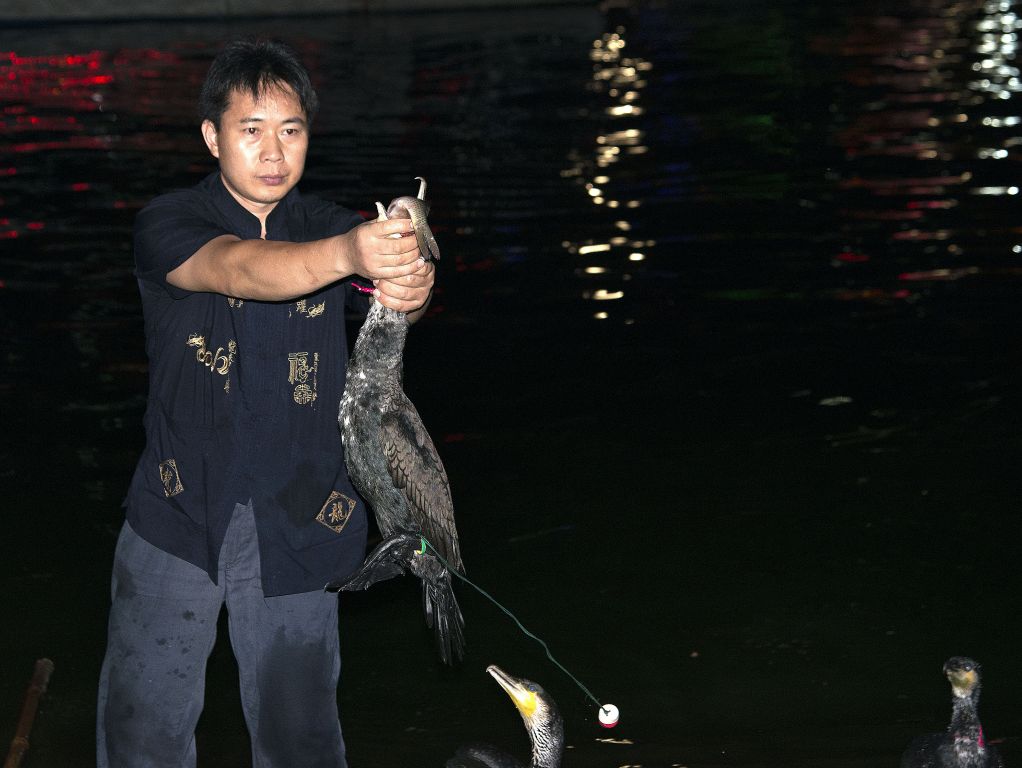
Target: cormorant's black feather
x=395, y=466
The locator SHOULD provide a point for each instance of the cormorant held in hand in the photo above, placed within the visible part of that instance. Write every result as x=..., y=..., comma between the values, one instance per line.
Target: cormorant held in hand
x=393, y=463
x=962, y=745
x=542, y=721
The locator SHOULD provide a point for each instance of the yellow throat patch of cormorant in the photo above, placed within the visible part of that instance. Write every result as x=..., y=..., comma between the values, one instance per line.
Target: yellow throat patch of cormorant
x=962, y=681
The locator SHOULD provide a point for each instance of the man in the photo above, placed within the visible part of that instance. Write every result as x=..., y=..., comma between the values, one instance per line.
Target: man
x=240, y=497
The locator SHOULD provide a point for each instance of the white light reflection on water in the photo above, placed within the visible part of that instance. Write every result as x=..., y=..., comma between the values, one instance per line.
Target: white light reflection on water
x=998, y=45
x=940, y=84
x=619, y=79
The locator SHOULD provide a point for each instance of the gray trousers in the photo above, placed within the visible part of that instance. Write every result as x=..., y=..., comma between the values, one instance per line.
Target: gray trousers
x=162, y=629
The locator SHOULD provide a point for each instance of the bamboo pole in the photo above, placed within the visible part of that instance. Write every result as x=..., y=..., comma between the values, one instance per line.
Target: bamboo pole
x=36, y=688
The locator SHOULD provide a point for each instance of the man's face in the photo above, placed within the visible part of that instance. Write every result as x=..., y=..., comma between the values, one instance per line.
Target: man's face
x=261, y=145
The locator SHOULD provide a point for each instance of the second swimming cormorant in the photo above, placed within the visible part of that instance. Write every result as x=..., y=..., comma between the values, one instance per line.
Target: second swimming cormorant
x=963, y=744
x=542, y=721
x=393, y=463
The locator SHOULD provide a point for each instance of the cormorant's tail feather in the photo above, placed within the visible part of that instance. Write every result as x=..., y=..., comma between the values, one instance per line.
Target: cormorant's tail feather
x=388, y=559
x=443, y=616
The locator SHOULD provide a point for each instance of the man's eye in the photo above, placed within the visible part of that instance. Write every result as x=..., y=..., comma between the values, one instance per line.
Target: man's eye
x=251, y=130
x=291, y=131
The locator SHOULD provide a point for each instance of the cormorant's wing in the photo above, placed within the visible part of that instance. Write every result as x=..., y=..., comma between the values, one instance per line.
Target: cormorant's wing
x=418, y=473
x=388, y=559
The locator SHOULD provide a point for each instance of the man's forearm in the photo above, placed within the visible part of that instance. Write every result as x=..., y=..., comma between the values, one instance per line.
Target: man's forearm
x=263, y=270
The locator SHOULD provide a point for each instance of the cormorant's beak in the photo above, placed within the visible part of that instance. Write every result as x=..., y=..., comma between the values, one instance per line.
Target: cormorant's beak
x=524, y=699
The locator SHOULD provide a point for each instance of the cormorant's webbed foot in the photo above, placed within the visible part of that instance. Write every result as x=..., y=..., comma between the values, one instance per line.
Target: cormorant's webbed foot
x=390, y=558
x=402, y=552
x=416, y=209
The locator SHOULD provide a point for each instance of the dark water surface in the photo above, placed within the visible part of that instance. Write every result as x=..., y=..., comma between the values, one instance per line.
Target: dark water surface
x=723, y=364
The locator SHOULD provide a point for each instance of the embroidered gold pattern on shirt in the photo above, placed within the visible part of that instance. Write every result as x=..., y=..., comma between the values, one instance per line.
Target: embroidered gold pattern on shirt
x=234, y=303
x=217, y=362
x=336, y=512
x=170, y=478
x=303, y=376
x=302, y=308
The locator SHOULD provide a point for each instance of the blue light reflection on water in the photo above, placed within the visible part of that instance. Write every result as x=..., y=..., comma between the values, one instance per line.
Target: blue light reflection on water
x=742, y=461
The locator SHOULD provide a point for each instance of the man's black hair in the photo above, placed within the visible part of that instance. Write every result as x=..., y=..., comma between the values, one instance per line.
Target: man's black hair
x=253, y=66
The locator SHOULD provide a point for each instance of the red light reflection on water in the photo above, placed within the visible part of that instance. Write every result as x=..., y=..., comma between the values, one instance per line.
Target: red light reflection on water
x=64, y=103
x=51, y=81
x=51, y=95
x=45, y=103
x=72, y=142
x=850, y=257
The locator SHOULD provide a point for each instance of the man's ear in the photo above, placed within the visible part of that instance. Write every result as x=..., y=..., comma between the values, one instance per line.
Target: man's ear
x=209, y=133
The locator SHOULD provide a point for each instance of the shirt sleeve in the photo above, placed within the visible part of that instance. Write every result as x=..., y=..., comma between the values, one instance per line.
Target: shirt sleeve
x=167, y=232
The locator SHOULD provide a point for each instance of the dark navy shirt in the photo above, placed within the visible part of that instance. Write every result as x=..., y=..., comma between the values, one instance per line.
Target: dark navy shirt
x=243, y=399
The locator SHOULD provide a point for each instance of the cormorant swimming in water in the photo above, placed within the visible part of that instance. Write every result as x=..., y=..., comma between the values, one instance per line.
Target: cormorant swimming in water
x=962, y=745
x=542, y=721
x=393, y=463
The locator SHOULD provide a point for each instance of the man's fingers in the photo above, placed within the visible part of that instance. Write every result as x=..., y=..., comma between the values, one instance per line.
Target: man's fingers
x=387, y=250
x=414, y=287
x=401, y=289
x=401, y=305
x=388, y=227
x=405, y=274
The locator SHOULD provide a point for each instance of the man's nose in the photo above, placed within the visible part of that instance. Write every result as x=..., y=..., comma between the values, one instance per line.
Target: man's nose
x=271, y=149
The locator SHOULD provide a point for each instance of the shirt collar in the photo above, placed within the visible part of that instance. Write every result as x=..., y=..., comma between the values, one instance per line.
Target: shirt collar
x=244, y=223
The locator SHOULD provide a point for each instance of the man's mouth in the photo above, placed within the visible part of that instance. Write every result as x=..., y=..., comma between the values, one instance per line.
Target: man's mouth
x=273, y=181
